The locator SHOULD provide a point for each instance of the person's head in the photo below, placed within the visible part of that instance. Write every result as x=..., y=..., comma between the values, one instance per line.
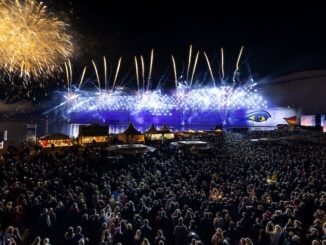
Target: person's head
x=296, y=239
x=46, y=241
x=10, y=230
x=81, y=241
x=129, y=227
x=37, y=240
x=70, y=230
x=315, y=242
x=248, y=241
x=297, y=223
x=138, y=234
x=78, y=229
x=314, y=232
x=104, y=226
x=145, y=242
x=192, y=222
x=180, y=221
x=219, y=232
x=317, y=222
x=159, y=232
x=227, y=217
x=146, y=222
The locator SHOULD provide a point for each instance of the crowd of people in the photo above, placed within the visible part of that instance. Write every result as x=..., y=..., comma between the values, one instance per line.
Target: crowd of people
x=238, y=192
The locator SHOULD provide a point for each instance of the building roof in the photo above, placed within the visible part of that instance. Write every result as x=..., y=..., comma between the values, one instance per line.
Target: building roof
x=303, y=90
x=297, y=77
x=55, y=136
x=93, y=130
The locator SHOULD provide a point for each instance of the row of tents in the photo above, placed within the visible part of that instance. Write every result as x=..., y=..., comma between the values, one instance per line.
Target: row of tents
x=132, y=135
x=90, y=134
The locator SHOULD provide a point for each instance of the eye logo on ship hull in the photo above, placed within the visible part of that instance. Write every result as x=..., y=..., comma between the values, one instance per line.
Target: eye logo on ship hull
x=258, y=116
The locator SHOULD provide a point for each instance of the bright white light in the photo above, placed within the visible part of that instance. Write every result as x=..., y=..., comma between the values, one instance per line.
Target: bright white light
x=158, y=103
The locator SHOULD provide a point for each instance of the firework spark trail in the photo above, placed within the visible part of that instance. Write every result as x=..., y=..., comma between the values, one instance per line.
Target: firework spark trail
x=67, y=75
x=194, y=69
x=189, y=62
x=222, y=64
x=116, y=73
x=82, y=77
x=33, y=42
x=137, y=72
x=70, y=71
x=175, y=71
x=237, y=64
x=143, y=70
x=209, y=67
x=150, y=69
x=105, y=73
x=97, y=76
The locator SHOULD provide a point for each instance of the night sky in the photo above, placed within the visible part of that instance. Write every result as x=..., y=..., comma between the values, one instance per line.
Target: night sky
x=280, y=38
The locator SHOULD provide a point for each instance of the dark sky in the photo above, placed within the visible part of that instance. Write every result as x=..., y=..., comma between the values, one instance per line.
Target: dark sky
x=279, y=37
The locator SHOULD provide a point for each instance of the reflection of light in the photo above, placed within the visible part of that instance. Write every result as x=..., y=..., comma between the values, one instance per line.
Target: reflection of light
x=71, y=96
x=158, y=103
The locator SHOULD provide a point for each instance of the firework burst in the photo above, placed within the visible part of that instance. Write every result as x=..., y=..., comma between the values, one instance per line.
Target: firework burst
x=33, y=43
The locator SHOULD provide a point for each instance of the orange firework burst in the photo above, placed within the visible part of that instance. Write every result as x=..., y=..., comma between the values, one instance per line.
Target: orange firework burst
x=33, y=43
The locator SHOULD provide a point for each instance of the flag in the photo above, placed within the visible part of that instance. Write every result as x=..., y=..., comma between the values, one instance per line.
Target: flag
x=291, y=120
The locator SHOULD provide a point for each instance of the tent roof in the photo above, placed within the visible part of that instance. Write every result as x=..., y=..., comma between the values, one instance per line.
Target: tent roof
x=131, y=130
x=165, y=129
x=56, y=136
x=152, y=130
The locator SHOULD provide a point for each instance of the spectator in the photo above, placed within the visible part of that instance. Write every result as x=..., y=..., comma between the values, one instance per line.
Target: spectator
x=239, y=191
